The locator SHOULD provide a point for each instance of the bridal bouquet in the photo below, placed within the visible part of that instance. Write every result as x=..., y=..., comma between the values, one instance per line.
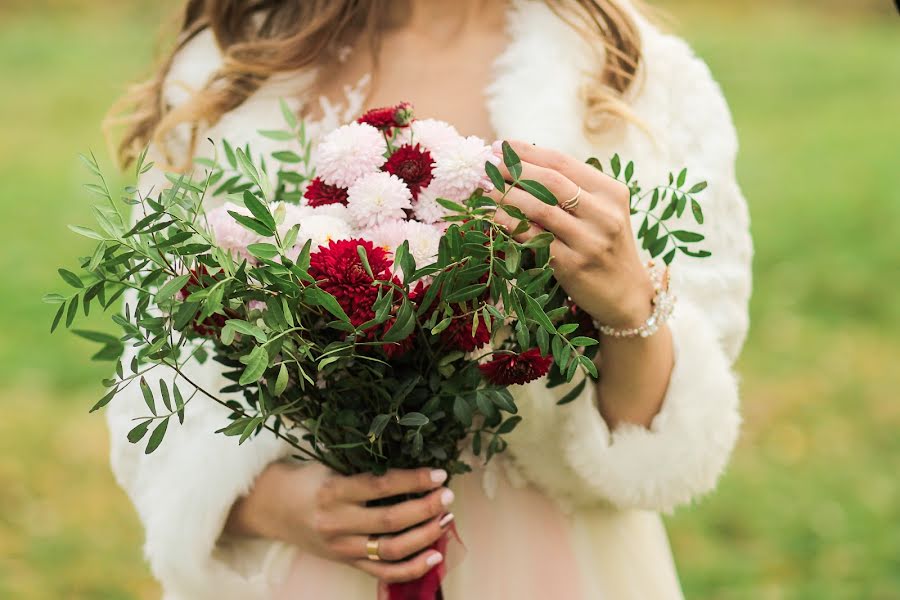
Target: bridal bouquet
x=360, y=296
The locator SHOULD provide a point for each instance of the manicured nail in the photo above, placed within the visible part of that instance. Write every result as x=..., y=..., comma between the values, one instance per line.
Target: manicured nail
x=434, y=559
x=447, y=497
x=439, y=476
x=497, y=147
x=446, y=520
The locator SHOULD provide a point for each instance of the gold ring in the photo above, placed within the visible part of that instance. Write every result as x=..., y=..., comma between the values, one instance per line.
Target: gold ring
x=570, y=204
x=372, y=548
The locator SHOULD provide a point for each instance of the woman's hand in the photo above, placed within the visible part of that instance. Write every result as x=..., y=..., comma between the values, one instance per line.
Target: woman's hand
x=325, y=514
x=595, y=256
x=595, y=259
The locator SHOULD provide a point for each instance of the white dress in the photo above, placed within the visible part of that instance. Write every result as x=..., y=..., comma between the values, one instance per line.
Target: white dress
x=571, y=509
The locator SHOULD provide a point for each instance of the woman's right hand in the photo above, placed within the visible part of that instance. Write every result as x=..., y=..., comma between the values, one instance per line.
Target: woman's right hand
x=325, y=513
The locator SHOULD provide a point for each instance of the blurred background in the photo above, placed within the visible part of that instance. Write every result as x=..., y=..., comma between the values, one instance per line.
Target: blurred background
x=810, y=507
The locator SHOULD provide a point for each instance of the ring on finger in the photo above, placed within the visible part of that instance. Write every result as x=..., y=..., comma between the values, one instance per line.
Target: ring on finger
x=572, y=203
x=372, y=548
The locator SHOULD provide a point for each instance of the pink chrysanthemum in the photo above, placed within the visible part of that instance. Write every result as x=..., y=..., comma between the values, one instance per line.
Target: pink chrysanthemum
x=316, y=224
x=430, y=133
x=377, y=198
x=423, y=239
x=459, y=168
x=427, y=209
x=349, y=153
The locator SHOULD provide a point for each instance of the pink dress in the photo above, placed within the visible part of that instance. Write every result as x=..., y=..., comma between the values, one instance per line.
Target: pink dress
x=520, y=544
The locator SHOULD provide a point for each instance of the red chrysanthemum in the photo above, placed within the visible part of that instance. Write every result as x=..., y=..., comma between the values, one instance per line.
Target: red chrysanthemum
x=319, y=193
x=388, y=117
x=458, y=335
x=339, y=271
x=516, y=369
x=412, y=164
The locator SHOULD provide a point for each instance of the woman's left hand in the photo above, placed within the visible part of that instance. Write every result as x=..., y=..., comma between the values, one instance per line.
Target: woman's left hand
x=594, y=255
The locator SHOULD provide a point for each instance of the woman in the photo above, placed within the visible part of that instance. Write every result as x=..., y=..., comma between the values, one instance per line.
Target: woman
x=571, y=509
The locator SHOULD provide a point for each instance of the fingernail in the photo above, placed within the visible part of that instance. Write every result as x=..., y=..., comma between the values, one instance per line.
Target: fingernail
x=439, y=476
x=497, y=147
x=446, y=520
x=447, y=497
x=434, y=559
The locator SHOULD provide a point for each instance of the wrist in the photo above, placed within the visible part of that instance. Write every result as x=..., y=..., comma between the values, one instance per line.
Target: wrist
x=256, y=514
x=661, y=305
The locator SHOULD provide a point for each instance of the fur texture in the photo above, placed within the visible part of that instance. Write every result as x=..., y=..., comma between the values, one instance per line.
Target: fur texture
x=184, y=490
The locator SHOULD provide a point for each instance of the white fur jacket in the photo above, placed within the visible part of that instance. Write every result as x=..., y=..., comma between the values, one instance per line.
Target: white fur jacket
x=184, y=490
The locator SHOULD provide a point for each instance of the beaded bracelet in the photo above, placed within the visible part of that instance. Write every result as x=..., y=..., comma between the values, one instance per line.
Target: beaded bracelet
x=663, y=304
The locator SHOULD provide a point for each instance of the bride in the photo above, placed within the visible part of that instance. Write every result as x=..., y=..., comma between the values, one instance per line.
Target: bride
x=571, y=510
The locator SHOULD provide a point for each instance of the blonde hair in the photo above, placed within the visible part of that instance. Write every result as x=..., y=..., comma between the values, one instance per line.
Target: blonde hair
x=259, y=39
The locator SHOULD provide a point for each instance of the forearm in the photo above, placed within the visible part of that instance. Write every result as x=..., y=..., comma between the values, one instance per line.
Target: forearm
x=634, y=376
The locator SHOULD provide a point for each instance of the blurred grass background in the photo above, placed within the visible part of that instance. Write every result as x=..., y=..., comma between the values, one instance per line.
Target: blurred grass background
x=810, y=507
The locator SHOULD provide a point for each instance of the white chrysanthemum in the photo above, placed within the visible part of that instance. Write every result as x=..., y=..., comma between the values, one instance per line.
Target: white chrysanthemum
x=315, y=225
x=377, y=198
x=427, y=208
x=459, y=168
x=228, y=233
x=423, y=239
x=430, y=133
x=348, y=153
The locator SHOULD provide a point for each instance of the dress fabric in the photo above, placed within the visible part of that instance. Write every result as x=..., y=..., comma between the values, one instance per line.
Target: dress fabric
x=571, y=510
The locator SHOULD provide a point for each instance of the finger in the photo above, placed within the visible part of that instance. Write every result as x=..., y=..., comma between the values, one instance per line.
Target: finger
x=407, y=570
x=397, y=517
x=551, y=218
x=396, y=482
x=396, y=547
x=510, y=223
x=582, y=174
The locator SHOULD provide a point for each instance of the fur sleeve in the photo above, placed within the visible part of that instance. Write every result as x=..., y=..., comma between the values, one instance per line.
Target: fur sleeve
x=684, y=451
x=184, y=490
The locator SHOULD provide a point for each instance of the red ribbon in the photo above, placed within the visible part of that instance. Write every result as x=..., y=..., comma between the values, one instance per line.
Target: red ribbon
x=427, y=587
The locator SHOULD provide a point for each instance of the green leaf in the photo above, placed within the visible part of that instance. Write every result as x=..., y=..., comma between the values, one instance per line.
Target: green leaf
x=70, y=278
x=495, y=176
x=179, y=402
x=414, y=419
x=361, y=252
x=319, y=297
x=378, y=425
x=697, y=188
x=138, y=432
x=86, y=232
x=688, y=236
x=616, y=165
x=541, y=240
x=466, y=293
x=168, y=289
x=57, y=318
x=259, y=210
x=289, y=117
x=148, y=395
x=263, y=250
x=462, y=410
x=281, y=381
x=698, y=212
x=511, y=160
x=451, y=205
x=164, y=392
x=277, y=135
x=682, y=176
x=629, y=171
x=583, y=341
x=403, y=325
x=156, y=437
x=247, y=329
x=695, y=253
x=256, y=363
x=509, y=424
x=573, y=393
x=105, y=399
x=538, y=190
x=252, y=224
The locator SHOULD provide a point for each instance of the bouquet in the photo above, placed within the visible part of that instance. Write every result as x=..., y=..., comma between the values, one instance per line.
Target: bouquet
x=358, y=293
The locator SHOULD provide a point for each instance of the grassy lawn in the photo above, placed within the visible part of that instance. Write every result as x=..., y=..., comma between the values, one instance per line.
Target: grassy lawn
x=810, y=507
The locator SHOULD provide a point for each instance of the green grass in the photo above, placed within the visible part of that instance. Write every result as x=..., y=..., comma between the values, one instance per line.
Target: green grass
x=811, y=504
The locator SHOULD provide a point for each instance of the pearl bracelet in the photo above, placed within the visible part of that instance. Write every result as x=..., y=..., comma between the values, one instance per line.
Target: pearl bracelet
x=663, y=304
